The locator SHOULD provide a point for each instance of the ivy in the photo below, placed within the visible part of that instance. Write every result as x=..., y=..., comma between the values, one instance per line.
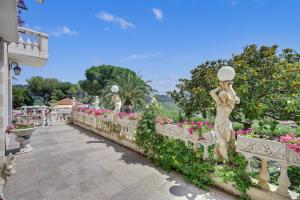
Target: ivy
x=173, y=154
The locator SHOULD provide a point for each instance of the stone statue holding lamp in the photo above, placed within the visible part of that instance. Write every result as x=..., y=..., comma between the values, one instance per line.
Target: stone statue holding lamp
x=116, y=99
x=225, y=98
x=96, y=102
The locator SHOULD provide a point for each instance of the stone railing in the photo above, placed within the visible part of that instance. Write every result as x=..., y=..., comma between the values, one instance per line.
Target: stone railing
x=126, y=129
x=60, y=117
x=181, y=133
x=265, y=151
x=123, y=130
x=31, y=48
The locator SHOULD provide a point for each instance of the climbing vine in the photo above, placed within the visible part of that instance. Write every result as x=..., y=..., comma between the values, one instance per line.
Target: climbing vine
x=173, y=154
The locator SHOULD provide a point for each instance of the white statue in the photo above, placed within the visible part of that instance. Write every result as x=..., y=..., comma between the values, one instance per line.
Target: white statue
x=225, y=98
x=73, y=101
x=116, y=99
x=96, y=102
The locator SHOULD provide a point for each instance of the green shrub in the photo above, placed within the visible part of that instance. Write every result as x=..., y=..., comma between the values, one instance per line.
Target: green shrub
x=237, y=126
x=172, y=154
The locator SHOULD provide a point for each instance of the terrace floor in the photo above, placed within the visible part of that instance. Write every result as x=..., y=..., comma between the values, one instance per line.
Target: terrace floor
x=69, y=163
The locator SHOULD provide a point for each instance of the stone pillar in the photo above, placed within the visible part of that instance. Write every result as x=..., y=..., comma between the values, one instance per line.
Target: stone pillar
x=10, y=105
x=3, y=97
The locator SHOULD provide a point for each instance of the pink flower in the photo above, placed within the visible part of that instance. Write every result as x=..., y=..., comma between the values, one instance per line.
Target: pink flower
x=292, y=141
x=190, y=130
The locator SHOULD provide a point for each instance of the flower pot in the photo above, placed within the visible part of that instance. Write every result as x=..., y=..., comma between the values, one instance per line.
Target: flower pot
x=23, y=137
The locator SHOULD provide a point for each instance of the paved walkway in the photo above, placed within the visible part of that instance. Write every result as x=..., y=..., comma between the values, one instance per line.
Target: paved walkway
x=69, y=163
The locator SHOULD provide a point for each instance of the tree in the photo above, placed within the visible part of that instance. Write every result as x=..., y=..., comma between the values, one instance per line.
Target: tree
x=21, y=96
x=98, y=78
x=193, y=95
x=132, y=88
x=51, y=89
x=267, y=83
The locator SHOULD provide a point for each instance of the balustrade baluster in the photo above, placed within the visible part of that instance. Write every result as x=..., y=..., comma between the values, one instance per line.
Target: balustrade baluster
x=283, y=179
x=264, y=175
x=35, y=42
x=20, y=41
x=28, y=42
x=206, y=154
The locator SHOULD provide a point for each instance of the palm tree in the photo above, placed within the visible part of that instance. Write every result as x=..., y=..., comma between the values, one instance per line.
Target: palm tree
x=132, y=88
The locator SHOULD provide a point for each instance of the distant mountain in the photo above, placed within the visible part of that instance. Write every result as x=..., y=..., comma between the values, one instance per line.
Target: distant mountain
x=164, y=98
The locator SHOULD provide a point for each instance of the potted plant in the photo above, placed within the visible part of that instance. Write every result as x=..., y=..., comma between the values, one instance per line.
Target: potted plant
x=23, y=130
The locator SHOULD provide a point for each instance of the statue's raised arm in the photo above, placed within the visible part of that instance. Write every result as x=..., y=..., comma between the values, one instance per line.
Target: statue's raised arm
x=214, y=95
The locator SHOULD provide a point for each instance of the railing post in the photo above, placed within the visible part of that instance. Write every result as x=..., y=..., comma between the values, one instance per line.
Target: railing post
x=20, y=41
x=264, y=174
x=283, y=179
x=43, y=45
x=205, y=154
x=28, y=42
x=35, y=43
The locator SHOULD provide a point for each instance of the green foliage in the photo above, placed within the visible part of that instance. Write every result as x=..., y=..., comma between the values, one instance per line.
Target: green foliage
x=172, y=154
x=294, y=174
x=21, y=96
x=98, y=78
x=268, y=130
x=266, y=82
x=132, y=87
x=50, y=89
x=193, y=95
x=237, y=126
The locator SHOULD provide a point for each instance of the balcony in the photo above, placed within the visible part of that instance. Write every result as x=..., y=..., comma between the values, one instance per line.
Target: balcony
x=31, y=48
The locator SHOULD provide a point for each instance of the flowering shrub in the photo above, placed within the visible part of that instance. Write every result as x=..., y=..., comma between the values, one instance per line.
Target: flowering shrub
x=197, y=127
x=81, y=109
x=130, y=116
x=244, y=132
x=101, y=112
x=22, y=124
x=292, y=141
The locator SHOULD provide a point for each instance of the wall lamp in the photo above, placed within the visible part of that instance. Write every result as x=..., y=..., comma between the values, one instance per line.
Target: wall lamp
x=15, y=67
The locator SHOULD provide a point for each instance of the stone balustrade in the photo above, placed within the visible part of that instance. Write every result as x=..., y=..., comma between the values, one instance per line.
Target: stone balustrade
x=31, y=48
x=123, y=130
x=265, y=151
x=181, y=133
x=126, y=128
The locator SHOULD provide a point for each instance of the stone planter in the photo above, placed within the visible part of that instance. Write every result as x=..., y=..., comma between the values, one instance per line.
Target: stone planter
x=23, y=137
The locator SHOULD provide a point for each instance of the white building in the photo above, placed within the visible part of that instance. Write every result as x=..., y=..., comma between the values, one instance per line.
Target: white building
x=18, y=46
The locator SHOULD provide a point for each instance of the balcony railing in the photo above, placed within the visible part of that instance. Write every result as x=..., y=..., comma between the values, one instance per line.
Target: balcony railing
x=31, y=48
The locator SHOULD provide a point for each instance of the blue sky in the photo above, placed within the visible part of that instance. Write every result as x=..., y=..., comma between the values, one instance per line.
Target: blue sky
x=161, y=39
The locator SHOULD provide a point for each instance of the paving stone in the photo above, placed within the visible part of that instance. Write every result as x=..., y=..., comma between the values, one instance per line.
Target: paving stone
x=69, y=163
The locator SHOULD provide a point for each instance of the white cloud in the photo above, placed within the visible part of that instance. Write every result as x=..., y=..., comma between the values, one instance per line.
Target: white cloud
x=137, y=56
x=164, y=84
x=106, y=16
x=158, y=13
x=121, y=22
x=64, y=30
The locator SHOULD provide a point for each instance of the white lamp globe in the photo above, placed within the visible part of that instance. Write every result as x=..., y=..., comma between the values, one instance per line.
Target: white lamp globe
x=226, y=73
x=115, y=88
